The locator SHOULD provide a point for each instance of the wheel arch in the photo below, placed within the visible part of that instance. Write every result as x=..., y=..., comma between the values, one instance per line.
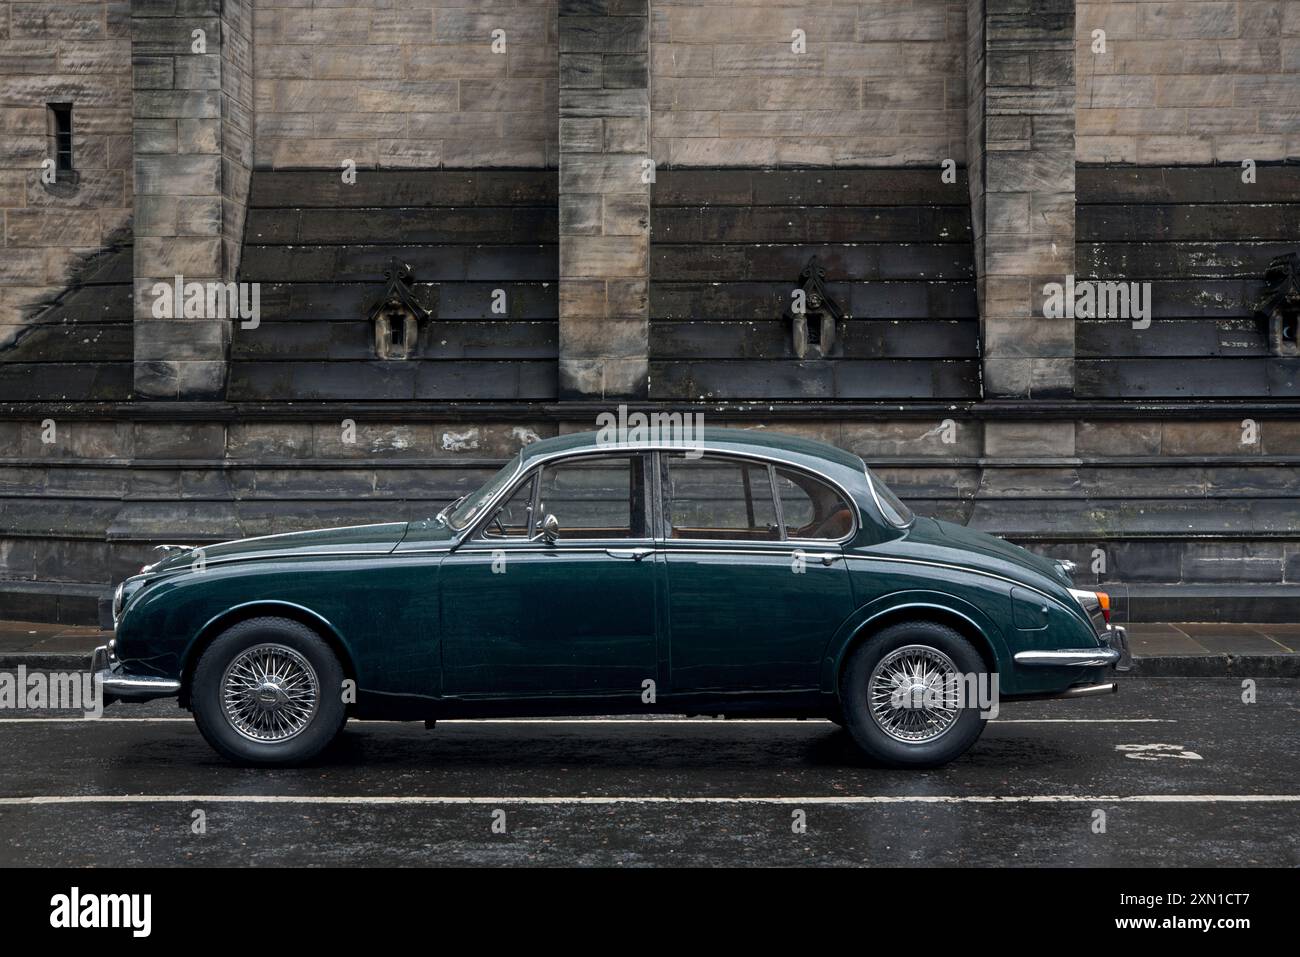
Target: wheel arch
x=262, y=608
x=964, y=619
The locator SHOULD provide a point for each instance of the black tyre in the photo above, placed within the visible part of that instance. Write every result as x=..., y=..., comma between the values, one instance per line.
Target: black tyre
x=897, y=695
x=268, y=692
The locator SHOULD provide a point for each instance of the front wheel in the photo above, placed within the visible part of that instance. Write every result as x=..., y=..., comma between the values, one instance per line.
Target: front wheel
x=902, y=693
x=268, y=691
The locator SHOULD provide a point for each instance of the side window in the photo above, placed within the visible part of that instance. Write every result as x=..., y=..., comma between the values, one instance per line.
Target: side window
x=810, y=508
x=595, y=497
x=716, y=498
x=512, y=520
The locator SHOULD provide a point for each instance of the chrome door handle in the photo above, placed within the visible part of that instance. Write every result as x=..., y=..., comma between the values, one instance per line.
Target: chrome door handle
x=636, y=554
x=826, y=558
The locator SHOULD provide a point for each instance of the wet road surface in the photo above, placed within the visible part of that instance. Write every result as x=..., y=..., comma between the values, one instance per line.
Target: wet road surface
x=1170, y=772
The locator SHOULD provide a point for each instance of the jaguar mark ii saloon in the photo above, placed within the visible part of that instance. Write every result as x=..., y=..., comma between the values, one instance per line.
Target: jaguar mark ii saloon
x=750, y=574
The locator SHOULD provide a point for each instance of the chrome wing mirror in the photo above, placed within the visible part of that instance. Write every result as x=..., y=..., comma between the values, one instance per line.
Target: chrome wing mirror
x=549, y=531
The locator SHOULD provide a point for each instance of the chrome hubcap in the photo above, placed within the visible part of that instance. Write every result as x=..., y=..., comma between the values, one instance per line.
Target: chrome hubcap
x=914, y=694
x=269, y=693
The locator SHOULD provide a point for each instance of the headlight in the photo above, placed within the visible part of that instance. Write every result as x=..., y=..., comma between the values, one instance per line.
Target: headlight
x=122, y=595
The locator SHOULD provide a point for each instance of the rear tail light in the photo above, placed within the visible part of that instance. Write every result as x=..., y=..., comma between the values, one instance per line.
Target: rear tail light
x=1104, y=599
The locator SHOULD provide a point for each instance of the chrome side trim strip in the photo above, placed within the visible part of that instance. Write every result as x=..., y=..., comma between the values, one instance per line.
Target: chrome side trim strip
x=282, y=556
x=261, y=538
x=826, y=558
x=957, y=568
x=1071, y=657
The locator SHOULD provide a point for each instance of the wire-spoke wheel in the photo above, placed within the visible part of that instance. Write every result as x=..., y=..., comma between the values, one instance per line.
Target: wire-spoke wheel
x=270, y=693
x=903, y=691
x=914, y=694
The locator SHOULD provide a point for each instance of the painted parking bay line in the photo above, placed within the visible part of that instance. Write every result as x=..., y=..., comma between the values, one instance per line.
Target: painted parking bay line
x=859, y=799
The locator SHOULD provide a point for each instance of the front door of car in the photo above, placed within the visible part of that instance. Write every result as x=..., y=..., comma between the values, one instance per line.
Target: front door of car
x=756, y=581
x=523, y=615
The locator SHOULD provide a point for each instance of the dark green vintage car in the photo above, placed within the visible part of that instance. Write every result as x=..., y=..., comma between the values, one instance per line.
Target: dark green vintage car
x=745, y=574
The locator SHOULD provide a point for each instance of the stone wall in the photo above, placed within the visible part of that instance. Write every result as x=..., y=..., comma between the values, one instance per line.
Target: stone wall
x=1172, y=514
x=1123, y=448
x=237, y=121
x=1201, y=238
x=1022, y=110
x=1192, y=81
x=728, y=249
x=482, y=250
x=61, y=52
x=405, y=84
x=880, y=83
x=192, y=154
x=604, y=197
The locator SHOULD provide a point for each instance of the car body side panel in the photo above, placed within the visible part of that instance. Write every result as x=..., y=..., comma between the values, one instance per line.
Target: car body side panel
x=541, y=619
x=384, y=610
x=753, y=618
x=883, y=586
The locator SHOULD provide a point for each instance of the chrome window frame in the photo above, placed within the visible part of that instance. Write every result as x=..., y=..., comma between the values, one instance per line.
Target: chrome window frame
x=772, y=464
x=875, y=497
x=473, y=537
x=527, y=465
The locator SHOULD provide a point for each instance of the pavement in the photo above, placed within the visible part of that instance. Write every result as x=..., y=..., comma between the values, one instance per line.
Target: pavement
x=1170, y=772
x=1183, y=649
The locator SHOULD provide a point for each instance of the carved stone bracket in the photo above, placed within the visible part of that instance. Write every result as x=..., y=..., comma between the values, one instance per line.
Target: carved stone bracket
x=397, y=314
x=1280, y=304
x=813, y=315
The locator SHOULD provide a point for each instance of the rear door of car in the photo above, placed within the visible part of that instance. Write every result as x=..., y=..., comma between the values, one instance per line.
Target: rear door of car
x=752, y=596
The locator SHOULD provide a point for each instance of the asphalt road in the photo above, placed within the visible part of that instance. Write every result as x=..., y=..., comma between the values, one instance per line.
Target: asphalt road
x=1059, y=783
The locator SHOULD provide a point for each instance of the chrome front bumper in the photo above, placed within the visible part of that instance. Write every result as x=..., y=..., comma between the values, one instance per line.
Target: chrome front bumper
x=1115, y=653
x=117, y=686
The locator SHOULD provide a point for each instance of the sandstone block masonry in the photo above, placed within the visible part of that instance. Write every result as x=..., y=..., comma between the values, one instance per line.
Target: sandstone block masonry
x=414, y=85
x=1021, y=135
x=77, y=54
x=791, y=83
x=1197, y=81
x=193, y=155
x=605, y=177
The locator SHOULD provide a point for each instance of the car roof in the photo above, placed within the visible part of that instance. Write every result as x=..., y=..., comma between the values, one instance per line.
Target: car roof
x=761, y=442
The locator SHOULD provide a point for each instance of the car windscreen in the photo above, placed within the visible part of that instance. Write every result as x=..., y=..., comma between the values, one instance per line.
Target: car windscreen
x=896, y=513
x=470, y=507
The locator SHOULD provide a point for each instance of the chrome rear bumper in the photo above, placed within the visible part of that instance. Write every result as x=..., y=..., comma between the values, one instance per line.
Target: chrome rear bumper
x=1071, y=657
x=117, y=686
x=1115, y=653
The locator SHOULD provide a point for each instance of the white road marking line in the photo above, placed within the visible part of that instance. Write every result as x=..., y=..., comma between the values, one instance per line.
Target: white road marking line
x=4, y=721
x=1084, y=721
x=483, y=721
x=654, y=799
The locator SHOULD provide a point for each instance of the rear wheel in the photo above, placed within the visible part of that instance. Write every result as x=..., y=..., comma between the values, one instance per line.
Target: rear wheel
x=901, y=693
x=268, y=691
